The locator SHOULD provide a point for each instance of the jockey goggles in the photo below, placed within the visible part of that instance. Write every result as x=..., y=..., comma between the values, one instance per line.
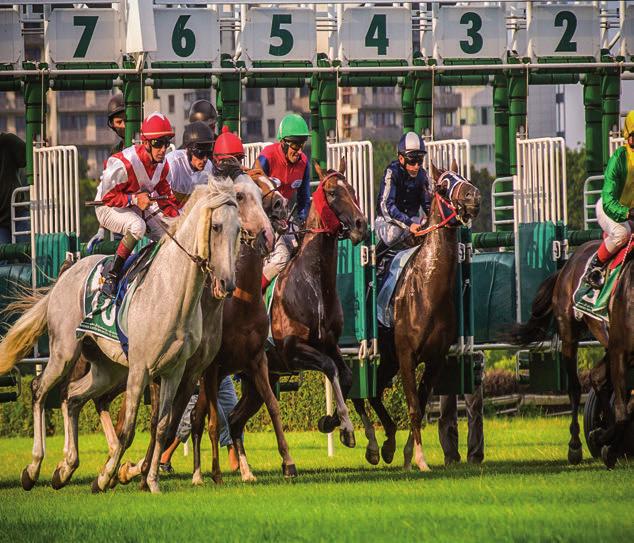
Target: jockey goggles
x=414, y=159
x=295, y=145
x=201, y=151
x=159, y=143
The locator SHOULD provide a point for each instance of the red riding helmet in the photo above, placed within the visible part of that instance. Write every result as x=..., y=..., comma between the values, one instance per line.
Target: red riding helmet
x=156, y=125
x=228, y=145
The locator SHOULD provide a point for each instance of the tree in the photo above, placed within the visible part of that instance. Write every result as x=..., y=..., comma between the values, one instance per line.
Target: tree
x=576, y=176
x=483, y=180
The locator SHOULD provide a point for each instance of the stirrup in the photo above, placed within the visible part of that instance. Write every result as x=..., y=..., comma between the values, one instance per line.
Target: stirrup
x=594, y=278
x=109, y=287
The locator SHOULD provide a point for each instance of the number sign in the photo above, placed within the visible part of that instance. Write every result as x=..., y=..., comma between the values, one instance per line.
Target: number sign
x=186, y=34
x=565, y=31
x=83, y=35
x=280, y=34
x=470, y=32
x=11, y=45
x=376, y=34
x=627, y=31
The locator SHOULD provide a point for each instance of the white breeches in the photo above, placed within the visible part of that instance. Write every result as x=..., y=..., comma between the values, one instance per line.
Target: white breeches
x=618, y=233
x=121, y=220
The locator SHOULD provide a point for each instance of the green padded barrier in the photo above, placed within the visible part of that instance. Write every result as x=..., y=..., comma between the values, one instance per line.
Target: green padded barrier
x=13, y=277
x=494, y=296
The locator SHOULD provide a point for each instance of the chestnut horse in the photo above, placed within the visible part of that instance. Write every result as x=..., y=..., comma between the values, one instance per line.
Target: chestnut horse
x=424, y=315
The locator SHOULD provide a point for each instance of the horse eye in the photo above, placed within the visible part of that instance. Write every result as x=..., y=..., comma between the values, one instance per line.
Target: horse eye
x=239, y=196
x=331, y=193
x=216, y=227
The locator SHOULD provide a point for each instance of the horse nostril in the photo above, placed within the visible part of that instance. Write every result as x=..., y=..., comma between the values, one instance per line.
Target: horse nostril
x=360, y=224
x=223, y=284
x=277, y=204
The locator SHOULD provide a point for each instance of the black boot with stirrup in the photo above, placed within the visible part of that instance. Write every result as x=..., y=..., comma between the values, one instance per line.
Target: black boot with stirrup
x=109, y=287
x=594, y=276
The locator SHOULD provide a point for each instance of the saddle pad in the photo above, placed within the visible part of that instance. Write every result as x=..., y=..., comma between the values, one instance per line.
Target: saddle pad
x=268, y=302
x=595, y=303
x=384, y=301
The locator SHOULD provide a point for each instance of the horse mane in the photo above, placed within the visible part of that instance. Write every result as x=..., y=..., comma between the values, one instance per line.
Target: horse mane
x=219, y=189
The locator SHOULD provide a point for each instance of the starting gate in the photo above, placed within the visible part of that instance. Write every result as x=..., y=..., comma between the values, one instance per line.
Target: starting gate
x=442, y=152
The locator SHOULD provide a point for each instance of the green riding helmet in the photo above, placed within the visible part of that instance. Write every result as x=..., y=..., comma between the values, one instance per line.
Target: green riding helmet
x=293, y=127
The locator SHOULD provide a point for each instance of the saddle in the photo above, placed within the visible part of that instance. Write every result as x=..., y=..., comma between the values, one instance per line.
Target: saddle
x=596, y=303
x=385, y=298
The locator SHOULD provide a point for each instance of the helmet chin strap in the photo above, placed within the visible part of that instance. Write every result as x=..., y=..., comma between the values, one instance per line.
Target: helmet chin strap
x=148, y=148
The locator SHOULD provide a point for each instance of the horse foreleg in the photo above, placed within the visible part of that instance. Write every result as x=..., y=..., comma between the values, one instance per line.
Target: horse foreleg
x=137, y=380
x=212, y=424
x=261, y=379
x=197, y=424
x=386, y=371
x=408, y=374
x=248, y=405
x=372, y=448
x=569, y=356
x=618, y=360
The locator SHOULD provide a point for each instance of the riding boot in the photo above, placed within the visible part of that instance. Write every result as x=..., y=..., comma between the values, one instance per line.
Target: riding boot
x=594, y=276
x=109, y=287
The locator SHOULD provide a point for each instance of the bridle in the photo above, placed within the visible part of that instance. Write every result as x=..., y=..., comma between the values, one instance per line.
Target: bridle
x=446, y=202
x=342, y=230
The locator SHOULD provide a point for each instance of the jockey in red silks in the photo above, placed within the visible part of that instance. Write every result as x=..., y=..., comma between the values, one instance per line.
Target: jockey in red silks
x=228, y=146
x=615, y=209
x=130, y=176
x=287, y=162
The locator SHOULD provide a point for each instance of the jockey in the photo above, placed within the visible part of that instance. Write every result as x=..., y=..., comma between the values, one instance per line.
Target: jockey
x=286, y=162
x=615, y=209
x=227, y=146
x=190, y=165
x=116, y=121
x=203, y=110
x=125, y=185
x=404, y=191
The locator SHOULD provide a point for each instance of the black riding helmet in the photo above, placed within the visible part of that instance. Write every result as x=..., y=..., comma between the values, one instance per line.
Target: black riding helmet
x=202, y=110
x=116, y=108
x=198, y=139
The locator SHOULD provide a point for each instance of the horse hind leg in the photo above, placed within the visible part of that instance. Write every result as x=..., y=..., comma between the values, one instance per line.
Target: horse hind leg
x=372, y=448
x=198, y=414
x=569, y=356
x=622, y=412
x=386, y=371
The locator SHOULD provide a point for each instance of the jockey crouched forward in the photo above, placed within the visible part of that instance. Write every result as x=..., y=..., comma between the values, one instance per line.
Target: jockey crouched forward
x=403, y=193
x=615, y=208
x=130, y=176
x=287, y=162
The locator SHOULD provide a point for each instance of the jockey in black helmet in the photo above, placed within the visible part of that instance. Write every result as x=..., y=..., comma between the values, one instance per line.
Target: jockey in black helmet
x=116, y=120
x=203, y=110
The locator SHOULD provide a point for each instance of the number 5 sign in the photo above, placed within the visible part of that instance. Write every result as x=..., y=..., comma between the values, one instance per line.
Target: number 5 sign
x=83, y=35
x=565, y=30
x=280, y=34
x=376, y=34
x=470, y=32
x=186, y=34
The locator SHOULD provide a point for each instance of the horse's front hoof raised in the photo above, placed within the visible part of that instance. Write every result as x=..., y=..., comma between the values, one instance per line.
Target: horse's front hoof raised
x=387, y=451
x=25, y=479
x=327, y=424
x=347, y=438
x=372, y=456
x=575, y=455
x=608, y=457
x=56, y=480
x=289, y=471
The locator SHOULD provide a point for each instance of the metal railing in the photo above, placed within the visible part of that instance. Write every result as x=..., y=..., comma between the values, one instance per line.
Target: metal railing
x=20, y=216
x=442, y=152
x=591, y=195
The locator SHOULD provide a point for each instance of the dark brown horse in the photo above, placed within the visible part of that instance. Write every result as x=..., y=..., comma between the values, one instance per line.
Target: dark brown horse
x=424, y=316
x=306, y=314
x=554, y=301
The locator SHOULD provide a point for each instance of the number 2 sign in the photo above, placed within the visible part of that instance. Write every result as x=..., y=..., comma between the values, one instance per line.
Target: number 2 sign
x=376, y=34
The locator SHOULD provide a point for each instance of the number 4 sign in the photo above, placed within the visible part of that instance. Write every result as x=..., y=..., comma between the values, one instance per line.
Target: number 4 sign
x=376, y=34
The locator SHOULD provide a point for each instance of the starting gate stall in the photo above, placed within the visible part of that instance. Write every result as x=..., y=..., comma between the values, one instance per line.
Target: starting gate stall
x=442, y=152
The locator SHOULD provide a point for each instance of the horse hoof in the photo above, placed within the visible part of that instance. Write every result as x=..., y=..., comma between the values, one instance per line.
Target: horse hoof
x=575, y=455
x=289, y=471
x=197, y=481
x=387, y=452
x=94, y=487
x=122, y=474
x=113, y=482
x=347, y=438
x=608, y=457
x=56, y=480
x=143, y=485
x=25, y=479
x=327, y=424
x=217, y=479
x=372, y=456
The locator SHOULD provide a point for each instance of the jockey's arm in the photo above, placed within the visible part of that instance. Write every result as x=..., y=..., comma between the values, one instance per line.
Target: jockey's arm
x=303, y=194
x=387, y=202
x=615, y=178
x=264, y=164
x=170, y=206
x=114, y=182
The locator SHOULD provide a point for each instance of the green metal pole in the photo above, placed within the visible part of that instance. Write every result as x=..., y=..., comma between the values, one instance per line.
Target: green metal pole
x=610, y=95
x=133, y=100
x=517, y=113
x=228, y=97
x=501, y=119
x=423, y=90
x=35, y=105
x=594, y=140
x=407, y=103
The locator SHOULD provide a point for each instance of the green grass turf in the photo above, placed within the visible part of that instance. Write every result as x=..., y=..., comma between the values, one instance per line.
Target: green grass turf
x=525, y=491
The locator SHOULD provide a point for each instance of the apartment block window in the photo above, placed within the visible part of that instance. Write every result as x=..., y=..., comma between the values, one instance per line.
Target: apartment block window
x=101, y=121
x=447, y=118
x=73, y=121
x=346, y=93
x=361, y=119
x=253, y=95
x=171, y=103
x=254, y=127
x=484, y=115
x=270, y=96
x=271, y=127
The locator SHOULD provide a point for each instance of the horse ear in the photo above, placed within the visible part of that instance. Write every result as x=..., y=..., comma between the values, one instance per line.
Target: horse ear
x=454, y=165
x=435, y=172
x=318, y=169
x=342, y=165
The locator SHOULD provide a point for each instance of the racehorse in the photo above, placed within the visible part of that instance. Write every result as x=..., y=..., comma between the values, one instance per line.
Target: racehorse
x=205, y=242
x=244, y=319
x=306, y=315
x=554, y=299
x=424, y=315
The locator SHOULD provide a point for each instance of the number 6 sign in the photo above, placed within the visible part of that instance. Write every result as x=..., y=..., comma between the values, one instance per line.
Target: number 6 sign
x=273, y=34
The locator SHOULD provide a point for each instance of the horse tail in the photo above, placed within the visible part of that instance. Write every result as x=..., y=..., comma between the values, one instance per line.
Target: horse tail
x=27, y=329
x=536, y=329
